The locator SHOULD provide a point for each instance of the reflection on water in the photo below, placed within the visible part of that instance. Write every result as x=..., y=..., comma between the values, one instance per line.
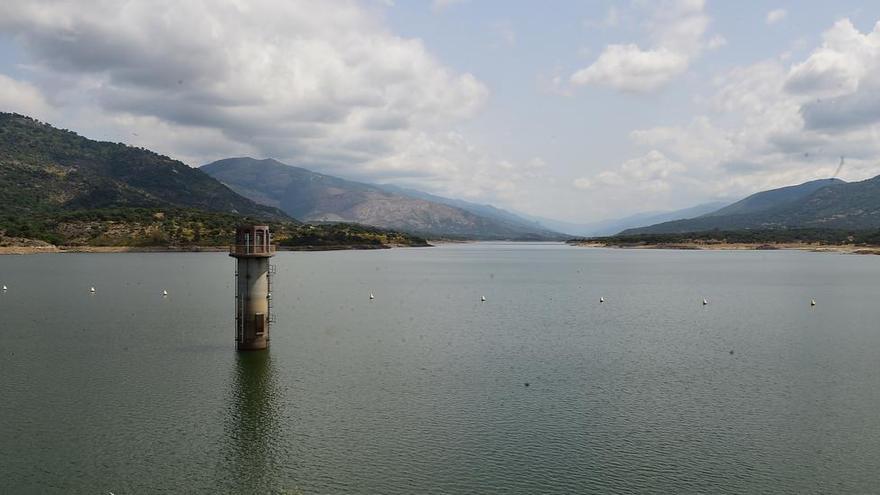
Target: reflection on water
x=251, y=452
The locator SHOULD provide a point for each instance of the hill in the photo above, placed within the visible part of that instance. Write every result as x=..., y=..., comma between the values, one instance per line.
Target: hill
x=827, y=204
x=317, y=197
x=61, y=188
x=44, y=169
x=615, y=225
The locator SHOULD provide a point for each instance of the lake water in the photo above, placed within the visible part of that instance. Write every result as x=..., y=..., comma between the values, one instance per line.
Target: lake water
x=422, y=390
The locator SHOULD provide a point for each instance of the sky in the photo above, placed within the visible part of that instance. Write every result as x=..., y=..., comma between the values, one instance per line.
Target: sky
x=572, y=110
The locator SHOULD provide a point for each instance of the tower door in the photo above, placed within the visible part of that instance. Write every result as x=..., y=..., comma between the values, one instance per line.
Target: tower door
x=259, y=323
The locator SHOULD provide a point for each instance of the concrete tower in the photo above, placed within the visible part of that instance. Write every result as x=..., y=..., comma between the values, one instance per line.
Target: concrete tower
x=253, y=286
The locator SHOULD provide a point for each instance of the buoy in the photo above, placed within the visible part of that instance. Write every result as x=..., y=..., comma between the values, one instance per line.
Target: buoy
x=705, y=301
x=4, y=288
x=483, y=298
x=164, y=292
x=601, y=299
x=371, y=296
x=92, y=290
x=812, y=302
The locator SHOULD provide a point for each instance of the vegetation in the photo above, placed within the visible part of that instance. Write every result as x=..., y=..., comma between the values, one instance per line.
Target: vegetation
x=769, y=237
x=44, y=170
x=63, y=189
x=184, y=228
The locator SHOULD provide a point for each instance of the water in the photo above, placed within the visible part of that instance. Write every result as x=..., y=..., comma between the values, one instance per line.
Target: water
x=422, y=390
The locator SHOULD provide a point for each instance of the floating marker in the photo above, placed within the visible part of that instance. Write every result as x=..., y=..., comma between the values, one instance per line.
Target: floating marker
x=4, y=288
x=371, y=296
x=601, y=299
x=812, y=302
x=483, y=298
x=92, y=290
x=705, y=301
x=164, y=293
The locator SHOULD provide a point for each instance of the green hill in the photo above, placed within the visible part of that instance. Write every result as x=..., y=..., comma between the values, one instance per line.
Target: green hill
x=828, y=204
x=61, y=188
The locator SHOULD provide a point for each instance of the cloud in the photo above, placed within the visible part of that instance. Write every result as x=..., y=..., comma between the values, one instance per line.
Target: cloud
x=327, y=88
x=649, y=172
x=629, y=68
x=676, y=28
x=22, y=97
x=775, y=16
x=769, y=125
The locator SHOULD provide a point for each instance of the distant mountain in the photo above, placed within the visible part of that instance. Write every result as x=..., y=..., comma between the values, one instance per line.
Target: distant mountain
x=45, y=170
x=829, y=203
x=615, y=225
x=774, y=198
x=317, y=197
x=499, y=215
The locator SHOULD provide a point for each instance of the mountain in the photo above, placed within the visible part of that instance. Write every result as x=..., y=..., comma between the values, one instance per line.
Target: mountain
x=45, y=169
x=615, y=225
x=773, y=198
x=317, y=197
x=825, y=204
x=57, y=187
x=499, y=215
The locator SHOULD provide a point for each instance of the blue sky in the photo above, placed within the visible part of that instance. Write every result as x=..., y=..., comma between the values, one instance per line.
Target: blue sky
x=572, y=110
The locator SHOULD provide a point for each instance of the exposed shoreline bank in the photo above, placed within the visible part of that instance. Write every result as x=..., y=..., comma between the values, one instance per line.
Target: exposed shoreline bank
x=51, y=249
x=723, y=246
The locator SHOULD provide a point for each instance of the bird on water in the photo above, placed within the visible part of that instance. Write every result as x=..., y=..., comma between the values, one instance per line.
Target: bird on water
x=92, y=290
x=371, y=296
x=601, y=299
x=483, y=298
x=705, y=301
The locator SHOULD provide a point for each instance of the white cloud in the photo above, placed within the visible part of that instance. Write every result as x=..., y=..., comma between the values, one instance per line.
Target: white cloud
x=776, y=15
x=327, y=88
x=629, y=68
x=771, y=125
x=676, y=28
x=22, y=97
x=650, y=172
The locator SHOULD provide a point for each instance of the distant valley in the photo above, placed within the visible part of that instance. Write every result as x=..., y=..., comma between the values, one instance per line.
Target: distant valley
x=316, y=197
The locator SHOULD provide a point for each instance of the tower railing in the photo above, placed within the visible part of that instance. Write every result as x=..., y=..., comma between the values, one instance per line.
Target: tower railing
x=251, y=249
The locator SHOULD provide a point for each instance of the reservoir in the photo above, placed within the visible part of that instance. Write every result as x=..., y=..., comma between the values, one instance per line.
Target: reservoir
x=423, y=388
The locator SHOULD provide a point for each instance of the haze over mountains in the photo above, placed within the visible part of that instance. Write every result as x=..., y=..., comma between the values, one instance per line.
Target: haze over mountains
x=316, y=197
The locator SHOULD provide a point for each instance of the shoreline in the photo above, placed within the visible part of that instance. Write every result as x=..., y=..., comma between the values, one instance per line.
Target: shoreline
x=52, y=249
x=723, y=246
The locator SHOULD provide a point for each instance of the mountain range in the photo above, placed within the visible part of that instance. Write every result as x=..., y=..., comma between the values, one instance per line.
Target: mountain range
x=57, y=187
x=823, y=204
x=315, y=197
x=44, y=169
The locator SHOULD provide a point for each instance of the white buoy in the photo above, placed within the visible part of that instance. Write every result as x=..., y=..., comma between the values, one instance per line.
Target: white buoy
x=601, y=299
x=92, y=290
x=483, y=298
x=812, y=302
x=164, y=292
x=705, y=301
x=4, y=288
x=371, y=296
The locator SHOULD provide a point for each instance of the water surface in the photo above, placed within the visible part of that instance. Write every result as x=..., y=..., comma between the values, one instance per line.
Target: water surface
x=422, y=390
